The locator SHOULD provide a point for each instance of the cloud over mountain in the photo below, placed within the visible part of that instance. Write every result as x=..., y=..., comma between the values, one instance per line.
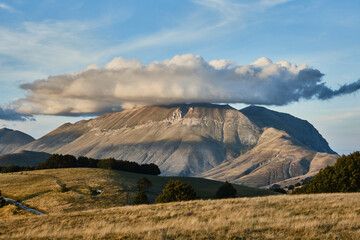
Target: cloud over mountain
x=125, y=83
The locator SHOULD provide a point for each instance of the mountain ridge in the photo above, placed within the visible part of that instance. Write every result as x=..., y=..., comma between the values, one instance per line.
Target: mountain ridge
x=196, y=140
x=11, y=140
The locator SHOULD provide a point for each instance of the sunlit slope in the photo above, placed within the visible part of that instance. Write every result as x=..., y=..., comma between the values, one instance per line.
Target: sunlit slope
x=317, y=216
x=276, y=159
x=254, y=146
x=181, y=139
x=40, y=189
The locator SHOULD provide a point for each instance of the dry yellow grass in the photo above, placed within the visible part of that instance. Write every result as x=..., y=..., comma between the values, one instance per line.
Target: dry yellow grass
x=40, y=190
x=322, y=216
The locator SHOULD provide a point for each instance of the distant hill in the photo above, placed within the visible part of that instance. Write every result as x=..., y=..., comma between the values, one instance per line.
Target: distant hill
x=11, y=140
x=23, y=158
x=254, y=146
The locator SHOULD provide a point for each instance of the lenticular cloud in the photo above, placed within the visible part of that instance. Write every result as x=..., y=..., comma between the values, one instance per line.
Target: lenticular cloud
x=126, y=83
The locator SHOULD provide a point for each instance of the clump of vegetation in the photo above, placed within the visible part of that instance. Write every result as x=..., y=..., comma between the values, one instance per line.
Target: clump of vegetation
x=93, y=191
x=141, y=198
x=278, y=189
x=175, y=191
x=143, y=184
x=63, y=188
x=2, y=201
x=344, y=176
x=69, y=161
x=226, y=190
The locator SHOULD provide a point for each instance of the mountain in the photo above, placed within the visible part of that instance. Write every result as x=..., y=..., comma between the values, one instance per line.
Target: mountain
x=23, y=158
x=11, y=140
x=213, y=141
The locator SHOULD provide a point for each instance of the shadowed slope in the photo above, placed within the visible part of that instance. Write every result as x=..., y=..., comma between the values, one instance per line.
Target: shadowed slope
x=11, y=140
x=23, y=158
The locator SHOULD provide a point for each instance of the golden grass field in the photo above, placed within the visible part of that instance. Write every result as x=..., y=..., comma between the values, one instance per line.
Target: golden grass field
x=39, y=189
x=72, y=215
x=321, y=216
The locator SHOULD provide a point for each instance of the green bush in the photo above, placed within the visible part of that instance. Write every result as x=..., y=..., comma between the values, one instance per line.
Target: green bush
x=226, y=190
x=175, y=191
x=143, y=184
x=279, y=190
x=141, y=198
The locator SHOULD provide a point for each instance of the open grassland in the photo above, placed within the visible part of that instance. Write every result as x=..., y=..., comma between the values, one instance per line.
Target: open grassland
x=41, y=189
x=321, y=216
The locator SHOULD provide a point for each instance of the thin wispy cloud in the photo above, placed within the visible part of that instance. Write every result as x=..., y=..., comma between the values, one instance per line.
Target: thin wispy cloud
x=125, y=83
x=5, y=7
x=55, y=46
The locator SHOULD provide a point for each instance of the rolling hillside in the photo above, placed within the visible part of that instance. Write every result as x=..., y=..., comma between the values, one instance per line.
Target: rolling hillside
x=23, y=158
x=40, y=189
x=315, y=216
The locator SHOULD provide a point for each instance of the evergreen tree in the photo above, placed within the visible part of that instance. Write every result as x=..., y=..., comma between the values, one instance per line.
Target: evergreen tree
x=226, y=190
x=175, y=191
x=141, y=198
x=344, y=176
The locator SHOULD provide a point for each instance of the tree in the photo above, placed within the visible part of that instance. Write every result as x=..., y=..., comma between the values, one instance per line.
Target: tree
x=143, y=184
x=175, y=191
x=344, y=176
x=278, y=189
x=226, y=190
x=141, y=198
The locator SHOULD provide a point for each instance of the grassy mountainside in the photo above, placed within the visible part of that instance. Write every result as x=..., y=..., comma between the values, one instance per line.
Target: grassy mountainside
x=320, y=216
x=23, y=158
x=40, y=189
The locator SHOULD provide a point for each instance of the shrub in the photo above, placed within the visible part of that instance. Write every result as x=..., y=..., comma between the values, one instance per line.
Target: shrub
x=279, y=190
x=291, y=187
x=2, y=201
x=143, y=184
x=141, y=198
x=63, y=188
x=175, y=191
x=226, y=190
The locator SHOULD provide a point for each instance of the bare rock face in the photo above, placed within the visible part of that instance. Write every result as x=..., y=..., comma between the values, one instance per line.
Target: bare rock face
x=254, y=146
x=181, y=139
x=11, y=140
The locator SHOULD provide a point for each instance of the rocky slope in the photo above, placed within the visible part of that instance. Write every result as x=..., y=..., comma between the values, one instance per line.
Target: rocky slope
x=11, y=140
x=215, y=141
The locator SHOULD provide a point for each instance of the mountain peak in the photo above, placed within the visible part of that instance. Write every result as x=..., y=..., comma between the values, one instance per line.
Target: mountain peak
x=11, y=140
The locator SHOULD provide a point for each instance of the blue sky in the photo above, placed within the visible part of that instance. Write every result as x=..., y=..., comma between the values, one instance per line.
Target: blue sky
x=39, y=39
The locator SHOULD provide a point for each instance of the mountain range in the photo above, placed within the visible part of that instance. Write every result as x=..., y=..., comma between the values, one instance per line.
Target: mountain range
x=254, y=146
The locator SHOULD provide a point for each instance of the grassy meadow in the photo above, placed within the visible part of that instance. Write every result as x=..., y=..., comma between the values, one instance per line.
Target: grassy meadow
x=40, y=189
x=75, y=214
x=315, y=216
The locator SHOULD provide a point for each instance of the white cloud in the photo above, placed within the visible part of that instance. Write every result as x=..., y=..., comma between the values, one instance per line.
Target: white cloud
x=6, y=7
x=271, y=3
x=186, y=78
